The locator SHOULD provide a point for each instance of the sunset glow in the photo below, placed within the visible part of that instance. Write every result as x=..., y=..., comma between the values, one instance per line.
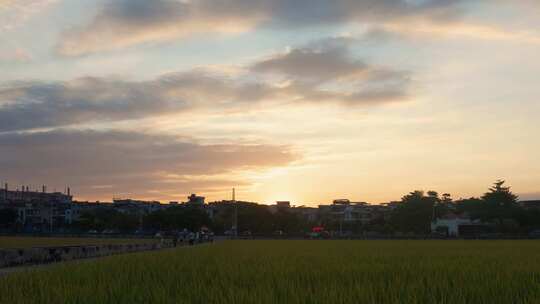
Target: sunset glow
x=160, y=99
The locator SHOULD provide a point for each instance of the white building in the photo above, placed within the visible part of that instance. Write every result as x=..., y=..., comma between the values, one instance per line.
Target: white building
x=455, y=226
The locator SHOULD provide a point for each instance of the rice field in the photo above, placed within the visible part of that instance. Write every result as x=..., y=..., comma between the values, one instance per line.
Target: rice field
x=27, y=242
x=295, y=272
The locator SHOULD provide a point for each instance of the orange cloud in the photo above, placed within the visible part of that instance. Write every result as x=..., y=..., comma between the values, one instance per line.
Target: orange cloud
x=101, y=164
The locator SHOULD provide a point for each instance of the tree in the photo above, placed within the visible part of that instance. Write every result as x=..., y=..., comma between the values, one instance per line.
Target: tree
x=447, y=199
x=501, y=196
x=442, y=205
x=433, y=195
x=289, y=223
x=103, y=219
x=177, y=218
x=498, y=206
x=415, y=212
x=474, y=207
x=251, y=217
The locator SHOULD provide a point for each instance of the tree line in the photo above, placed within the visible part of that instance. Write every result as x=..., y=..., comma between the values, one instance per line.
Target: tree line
x=498, y=207
x=414, y=213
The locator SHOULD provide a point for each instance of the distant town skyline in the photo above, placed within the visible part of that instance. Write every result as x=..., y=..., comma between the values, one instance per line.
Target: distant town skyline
x=305, y=100
x=33, y=192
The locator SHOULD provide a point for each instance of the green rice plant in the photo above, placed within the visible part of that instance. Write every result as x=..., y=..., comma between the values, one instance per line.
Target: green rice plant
x=295, y=272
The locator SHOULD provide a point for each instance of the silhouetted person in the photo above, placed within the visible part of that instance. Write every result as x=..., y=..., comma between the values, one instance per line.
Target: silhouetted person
x=175, y=239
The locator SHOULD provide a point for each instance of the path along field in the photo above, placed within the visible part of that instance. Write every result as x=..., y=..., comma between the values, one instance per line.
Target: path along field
x=295, y=272
x=27, y=242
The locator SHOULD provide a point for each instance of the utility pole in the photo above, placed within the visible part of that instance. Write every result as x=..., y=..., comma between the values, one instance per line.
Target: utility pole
x=235, y=219
x=51, y=219
x=141, y=223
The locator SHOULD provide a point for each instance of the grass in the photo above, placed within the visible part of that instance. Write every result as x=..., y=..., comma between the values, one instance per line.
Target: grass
x=295, y=272
x=26, y=242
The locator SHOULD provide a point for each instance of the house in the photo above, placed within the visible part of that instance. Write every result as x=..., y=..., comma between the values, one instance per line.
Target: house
x=453, y=225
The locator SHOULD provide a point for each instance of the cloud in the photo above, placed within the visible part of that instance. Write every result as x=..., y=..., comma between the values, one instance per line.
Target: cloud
x=13, y=13
x=326, y=71
x=39, y=105
x=313, y=64
x=464, y=30
x=130, y=162
x=323, y=72
x=36, y=104
x=123, y=23
x=325, y=60
x=15, y=55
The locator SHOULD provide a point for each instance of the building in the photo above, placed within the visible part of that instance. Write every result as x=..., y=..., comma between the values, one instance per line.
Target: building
x=38, y=211
x=40, y=216
x=194, y=199
x=343, y=210
x=78, y=208
x=308, y=214
x=24, y=194
x=282, y=206
x=457, y=226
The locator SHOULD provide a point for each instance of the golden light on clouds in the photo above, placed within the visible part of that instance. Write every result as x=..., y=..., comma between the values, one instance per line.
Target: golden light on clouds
x=465, y=30
x=79, y=43
x=158, y=99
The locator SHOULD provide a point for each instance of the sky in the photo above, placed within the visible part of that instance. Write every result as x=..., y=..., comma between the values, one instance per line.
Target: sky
x=299, y=100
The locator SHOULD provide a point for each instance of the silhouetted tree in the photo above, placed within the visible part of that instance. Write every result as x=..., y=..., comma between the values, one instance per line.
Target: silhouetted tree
x=446, y=198
x=500, y=196
x=177, y=218
x=251, y=217
x=289, y=223
x=106, y=219
x=415, y=212
x=255, y=218
x=433, y=195
x=501, y=207
x=473, y=206
x=498, y=206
